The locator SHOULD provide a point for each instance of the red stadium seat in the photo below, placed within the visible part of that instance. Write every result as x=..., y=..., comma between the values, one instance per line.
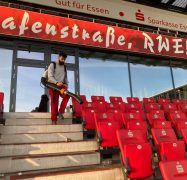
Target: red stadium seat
x=184, y=134
x=176, y=117
x=163, y=135
x=171, y=151
x=132, y=99
x=179, y=126
x=132, y=116
x=155, y=115
x=151, y=106
x=133, y=106
x=110, y=107
x=136, y=153
x=183, y=108
x=99, y=106
x=131, y=136
x=161, y=125
x=88, y=118
x=174, y=170
x=77, y=108
x=120, y=106
x=148, y=100
x=114, y=99
x=106, y=131
x=162, y=101
x=169, y=107
x=98, y=98
x=137, y=125
x=177, y=101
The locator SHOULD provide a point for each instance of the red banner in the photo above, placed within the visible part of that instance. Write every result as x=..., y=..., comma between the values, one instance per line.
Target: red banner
x=47, y=27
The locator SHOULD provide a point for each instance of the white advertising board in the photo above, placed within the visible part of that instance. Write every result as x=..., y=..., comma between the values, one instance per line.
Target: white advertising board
x=122, y=10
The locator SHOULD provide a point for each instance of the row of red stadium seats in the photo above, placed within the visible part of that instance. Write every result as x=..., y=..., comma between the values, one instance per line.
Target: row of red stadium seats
x=140, y=132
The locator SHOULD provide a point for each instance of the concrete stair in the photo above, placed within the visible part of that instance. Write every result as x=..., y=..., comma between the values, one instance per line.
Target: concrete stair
x=96, y=173
x=31, y=147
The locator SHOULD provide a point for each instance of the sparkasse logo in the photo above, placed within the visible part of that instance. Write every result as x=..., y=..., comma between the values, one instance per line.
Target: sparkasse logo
x=139, y=15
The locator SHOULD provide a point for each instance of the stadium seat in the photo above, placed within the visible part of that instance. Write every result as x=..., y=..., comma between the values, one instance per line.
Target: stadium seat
x=137, y=125
x=99, y=106
x=179, y=126
x=77, y=108
x=174, y=170
x=177, y=101
x=88, y=118
x=148, y=100
x=136, y=153
x=110, y=107
x=163, y=135
x=120, y=106
x=155, y=115
x=114, y=99
x=129, y=107
x=2, y=120
x=162, y=101
x=169, y=107
x=161, y=125
x=171, y=151
x=106, y=131
x=183, y=108
x=176, y=117
x=132, y=116
x=151, y=106
x=132, y=99
x=98, y=98
x=184, y=134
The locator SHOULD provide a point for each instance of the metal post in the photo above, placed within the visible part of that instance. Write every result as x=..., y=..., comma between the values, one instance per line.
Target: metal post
x=129, y=71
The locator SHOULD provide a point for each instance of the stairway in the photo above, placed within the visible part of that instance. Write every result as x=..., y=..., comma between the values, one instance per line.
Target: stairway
x=32, y=148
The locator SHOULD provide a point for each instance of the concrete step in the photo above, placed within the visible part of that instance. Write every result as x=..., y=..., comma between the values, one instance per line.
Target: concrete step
x=47, y=148
x=8, y=165
x=32, y=121
x=107, y=173
x=40, y=129
x=40, y=138
x=28, y=115
x=14, y=115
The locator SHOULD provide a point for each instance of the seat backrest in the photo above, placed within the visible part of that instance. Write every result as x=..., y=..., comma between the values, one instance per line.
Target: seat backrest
x=171, y=151
x=77, y=108
x=148, y=100
x=120, y=106
x=151, y=106
x=177, y=101
x=1, y=101
x=139, y=160
x=163, y=135
x=161, y=125
x=183, y=107
x=175, y=117
x=115, y=99
x=155, y=115
x=88, y=118
x=132, y=116
x=132, y=99
x=108, y=129
x=133, y=106
x=99, y=106
x=137, y=125
x=97, y=98
x=126, y=136
x=110, y=106
x=169, y=107
x=162, y=101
